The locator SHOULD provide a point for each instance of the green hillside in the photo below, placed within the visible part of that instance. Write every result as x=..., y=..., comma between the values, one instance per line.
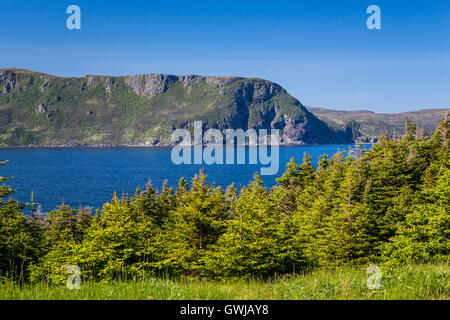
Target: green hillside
x=41, y=109
x=370, y=125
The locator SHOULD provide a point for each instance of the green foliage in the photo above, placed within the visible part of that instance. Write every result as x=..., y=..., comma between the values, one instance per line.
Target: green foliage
x=388, y=205
x=424, y=234
x=121, y=241
x=249, y=245
x=19, y=237
x=292, y=182
x=62, y=230
x=194, y=226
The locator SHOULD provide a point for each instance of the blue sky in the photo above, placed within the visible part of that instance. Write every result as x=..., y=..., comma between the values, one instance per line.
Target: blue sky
x=320, y=51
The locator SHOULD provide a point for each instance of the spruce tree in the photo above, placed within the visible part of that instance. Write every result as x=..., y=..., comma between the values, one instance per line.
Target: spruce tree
x=20, y=243
x=195, y=225
x=250, y=244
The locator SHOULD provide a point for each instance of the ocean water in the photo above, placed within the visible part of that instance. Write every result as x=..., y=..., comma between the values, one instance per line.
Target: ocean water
x=89, y=176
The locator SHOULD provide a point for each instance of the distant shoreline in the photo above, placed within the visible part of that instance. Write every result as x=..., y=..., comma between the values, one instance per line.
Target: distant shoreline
x=162, y=146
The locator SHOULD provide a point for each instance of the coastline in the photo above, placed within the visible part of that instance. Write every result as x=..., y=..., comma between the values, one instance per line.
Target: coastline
x=93, y=146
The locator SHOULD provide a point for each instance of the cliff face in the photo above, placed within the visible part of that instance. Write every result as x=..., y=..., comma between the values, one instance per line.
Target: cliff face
x=40, y=109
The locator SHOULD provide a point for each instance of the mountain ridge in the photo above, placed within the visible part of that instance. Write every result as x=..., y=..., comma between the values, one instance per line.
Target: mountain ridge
x=38, y=109
x=370, y=125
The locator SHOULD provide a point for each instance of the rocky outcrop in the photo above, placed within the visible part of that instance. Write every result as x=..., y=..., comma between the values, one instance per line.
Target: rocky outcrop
x=221, y=81
x=41, y=108
x=150, y=84
x=13, y=81
x=145, y=85
x=44, y=86
x=8, y=81
x=90, y=80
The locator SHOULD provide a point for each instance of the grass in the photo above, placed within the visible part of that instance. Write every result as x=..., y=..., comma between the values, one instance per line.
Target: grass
x=409, y=282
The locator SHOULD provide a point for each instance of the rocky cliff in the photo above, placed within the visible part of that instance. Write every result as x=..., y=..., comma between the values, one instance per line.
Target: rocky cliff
x=41, y=109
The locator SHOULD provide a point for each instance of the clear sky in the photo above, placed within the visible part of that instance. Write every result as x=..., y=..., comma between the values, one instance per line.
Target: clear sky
x=320, y=51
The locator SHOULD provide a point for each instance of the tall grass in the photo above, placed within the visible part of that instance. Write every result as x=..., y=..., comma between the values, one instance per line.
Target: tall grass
x=409, y=282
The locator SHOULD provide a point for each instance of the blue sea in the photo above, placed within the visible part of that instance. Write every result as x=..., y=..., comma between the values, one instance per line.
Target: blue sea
x=88, y=177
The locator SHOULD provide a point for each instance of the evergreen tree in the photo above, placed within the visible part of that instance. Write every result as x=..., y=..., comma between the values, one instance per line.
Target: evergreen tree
x=250, y=245
x=194, y=225
x=292, y=182
x=122, y=241
x=424, y=236
x=390, y=203
x=166, y=201
x=20, y=243
x=66, y=224
x=146, y=204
